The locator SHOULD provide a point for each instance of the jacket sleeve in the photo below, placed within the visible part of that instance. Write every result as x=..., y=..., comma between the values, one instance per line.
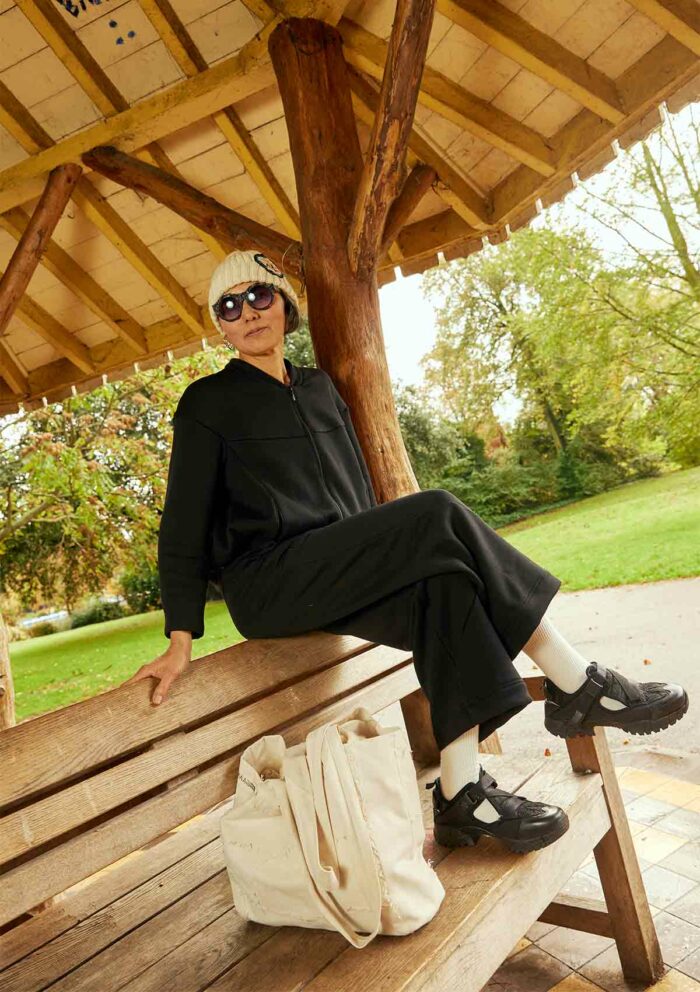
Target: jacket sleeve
x=184, y=537
x=344, y=410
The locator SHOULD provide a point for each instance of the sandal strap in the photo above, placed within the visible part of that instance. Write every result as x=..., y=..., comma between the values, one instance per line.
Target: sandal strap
x=592, y=690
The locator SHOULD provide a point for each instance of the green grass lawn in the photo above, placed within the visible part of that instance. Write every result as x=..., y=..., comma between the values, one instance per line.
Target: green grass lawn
x=641, y=532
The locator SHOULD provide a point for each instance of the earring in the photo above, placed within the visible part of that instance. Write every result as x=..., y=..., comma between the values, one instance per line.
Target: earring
x=227, y=343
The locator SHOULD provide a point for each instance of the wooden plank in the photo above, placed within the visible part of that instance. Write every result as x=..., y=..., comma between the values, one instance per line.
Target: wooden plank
x=150, y=119
x=76, y=905
x=178, y=754
x=586, y=135
x=61, y=745
x=492, y=898
x=188, y=56
x=680, y=18
x=369, y=53
x=380, y=180
x=201, y=871
x=537, y=52
x=51, y=330
x=54, y=870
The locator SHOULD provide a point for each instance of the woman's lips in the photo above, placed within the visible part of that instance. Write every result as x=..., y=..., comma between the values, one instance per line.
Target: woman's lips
x=256, y=331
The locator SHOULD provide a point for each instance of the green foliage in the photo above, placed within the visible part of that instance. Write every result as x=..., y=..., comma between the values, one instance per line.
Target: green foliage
x=97, y=611
x=42, y=628
x=140, y=586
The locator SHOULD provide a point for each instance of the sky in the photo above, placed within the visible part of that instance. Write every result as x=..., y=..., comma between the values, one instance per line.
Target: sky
x=408, y=319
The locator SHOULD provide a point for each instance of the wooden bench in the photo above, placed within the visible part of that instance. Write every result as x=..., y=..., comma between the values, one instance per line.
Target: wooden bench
x=112, y=868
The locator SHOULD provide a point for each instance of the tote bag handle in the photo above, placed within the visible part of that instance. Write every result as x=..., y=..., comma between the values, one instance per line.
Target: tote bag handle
x=307, y=801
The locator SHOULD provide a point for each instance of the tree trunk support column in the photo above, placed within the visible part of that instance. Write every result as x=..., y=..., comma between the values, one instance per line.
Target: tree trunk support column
x=344, y=317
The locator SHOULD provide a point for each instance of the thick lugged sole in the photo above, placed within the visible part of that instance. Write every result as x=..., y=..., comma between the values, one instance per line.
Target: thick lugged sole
x=561, y=728
x=448, y=836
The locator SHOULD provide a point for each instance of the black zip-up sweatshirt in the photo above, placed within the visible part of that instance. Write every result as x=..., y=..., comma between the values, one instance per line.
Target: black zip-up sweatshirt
x=253, y=462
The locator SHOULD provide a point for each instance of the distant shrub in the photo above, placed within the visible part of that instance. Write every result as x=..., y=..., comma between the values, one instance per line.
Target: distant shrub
x=97, y=611
x=140, y=587
x=41, y=629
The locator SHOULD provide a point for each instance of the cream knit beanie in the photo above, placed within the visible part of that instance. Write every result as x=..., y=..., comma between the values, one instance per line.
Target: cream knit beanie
x=247, y=266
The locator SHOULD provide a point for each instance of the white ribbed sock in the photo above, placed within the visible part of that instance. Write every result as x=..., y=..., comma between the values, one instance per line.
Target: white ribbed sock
x=459, y=764
x=560, y=661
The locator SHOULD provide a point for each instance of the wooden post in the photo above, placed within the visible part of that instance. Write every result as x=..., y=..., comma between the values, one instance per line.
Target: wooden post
x=344, y=318
x=7, y=691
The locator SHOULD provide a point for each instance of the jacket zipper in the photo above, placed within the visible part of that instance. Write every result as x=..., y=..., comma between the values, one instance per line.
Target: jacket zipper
x=318, y=457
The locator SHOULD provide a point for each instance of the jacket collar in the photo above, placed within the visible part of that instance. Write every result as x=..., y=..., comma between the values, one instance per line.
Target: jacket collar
x=238, y=365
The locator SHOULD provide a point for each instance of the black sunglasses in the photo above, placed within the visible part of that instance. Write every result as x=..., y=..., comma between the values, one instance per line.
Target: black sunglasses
x=229, y=307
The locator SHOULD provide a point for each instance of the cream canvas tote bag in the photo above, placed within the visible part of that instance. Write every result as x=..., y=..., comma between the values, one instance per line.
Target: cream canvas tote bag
x=329, y=833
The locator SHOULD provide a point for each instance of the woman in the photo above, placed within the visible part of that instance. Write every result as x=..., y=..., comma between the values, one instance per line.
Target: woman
x=269, y=492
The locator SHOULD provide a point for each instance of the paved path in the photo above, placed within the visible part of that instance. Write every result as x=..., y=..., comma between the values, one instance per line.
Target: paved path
x=620, y=626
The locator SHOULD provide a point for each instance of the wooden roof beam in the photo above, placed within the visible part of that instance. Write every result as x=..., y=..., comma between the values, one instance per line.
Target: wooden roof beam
x=51, y=330
x=152, y=118
x=234, y=230
x=368, y=52
x=188, y=56
x=91, y=77
x=99, y=211
x=28, y=252
x=542, y=55
x=679, y=18
x=587, y=135
x=453, y=187
x=381, y=175
x=60, y=264
x=419, y=180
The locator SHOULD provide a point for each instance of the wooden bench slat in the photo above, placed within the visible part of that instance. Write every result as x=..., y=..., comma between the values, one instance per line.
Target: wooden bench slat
x=36, y=754
x=492, y=897
x=94, y=893
x=52, y=871
x=130, y=911
x=85, y=800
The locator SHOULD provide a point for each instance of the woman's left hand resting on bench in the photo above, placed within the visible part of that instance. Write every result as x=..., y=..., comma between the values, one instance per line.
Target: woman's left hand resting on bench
x=167, y=666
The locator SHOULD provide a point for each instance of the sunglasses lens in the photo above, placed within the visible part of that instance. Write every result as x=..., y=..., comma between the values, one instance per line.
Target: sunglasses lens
x=259, y=296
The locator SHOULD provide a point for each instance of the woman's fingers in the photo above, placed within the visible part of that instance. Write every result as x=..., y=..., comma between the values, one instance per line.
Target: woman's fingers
x=161, y=690
x=143, y=672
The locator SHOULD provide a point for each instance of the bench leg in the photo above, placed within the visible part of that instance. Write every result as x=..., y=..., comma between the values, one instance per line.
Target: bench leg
x=618, y=867
x=416, y=714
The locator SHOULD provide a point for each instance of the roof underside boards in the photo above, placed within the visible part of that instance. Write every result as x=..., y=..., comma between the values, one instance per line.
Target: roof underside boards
x=516, y=96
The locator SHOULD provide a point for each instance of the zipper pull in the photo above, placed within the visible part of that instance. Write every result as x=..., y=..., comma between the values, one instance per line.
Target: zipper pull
x=294, y=397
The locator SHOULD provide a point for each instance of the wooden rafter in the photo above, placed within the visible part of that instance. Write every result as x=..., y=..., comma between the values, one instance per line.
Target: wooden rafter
x=91, y=77
x=234, y=230
x=152, y=118
x=366, y=51
x=454, y=188
x=381, y=176
x=587, y=134
x=32, y=136
x=419, y=180
x=680, y=18
x=80, y=283
x=188, y=56
x=31, y=245
x=542, y=55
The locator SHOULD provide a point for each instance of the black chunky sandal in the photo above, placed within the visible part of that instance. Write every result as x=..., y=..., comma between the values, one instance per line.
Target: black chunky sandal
x=522, y=825
x=649, y=706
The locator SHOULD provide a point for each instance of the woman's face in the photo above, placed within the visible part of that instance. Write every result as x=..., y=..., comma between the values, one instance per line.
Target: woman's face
x=256, y=332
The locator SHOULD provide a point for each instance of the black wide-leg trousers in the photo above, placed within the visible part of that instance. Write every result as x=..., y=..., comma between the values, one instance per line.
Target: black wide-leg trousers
x=423, y=573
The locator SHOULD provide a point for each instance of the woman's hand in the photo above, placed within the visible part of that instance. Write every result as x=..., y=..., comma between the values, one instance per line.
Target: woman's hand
x=167, y=666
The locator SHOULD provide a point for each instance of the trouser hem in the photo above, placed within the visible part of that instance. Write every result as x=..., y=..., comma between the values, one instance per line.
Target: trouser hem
x=533, y=609
x=490, y=713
